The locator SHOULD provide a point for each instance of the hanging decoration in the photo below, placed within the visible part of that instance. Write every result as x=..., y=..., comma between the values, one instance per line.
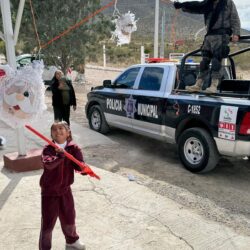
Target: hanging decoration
x=21, y=93
x=125, y=24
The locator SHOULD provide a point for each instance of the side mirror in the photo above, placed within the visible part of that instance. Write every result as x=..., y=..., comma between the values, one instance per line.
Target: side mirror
x=107, y=84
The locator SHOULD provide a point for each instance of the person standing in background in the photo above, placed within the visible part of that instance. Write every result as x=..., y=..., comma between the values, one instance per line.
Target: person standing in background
x=63, y=97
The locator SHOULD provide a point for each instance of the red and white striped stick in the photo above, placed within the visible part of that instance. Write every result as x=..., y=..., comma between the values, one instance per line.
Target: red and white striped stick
x=84, y=167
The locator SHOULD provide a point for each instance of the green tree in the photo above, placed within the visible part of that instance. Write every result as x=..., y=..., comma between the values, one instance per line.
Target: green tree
x=53, y=18
x=2, y=47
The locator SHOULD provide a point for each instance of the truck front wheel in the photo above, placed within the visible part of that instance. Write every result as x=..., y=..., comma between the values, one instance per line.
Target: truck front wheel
x=197, y=150
x=97, y=120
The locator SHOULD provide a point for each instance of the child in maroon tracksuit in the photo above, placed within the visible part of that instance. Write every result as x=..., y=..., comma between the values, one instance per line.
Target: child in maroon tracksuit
x=57, y=199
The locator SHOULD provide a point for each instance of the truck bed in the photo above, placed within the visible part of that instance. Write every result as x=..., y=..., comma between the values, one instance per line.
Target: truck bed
x=227, y=88
x=235, y=86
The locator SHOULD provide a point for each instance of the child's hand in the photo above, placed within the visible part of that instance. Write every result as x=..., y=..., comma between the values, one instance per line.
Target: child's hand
x=59, y=150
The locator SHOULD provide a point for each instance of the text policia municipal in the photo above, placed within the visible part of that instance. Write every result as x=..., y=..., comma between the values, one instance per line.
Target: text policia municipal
x=142, y=109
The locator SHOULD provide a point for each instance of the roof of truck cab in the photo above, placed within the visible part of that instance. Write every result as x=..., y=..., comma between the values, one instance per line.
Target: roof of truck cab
x=163, y=64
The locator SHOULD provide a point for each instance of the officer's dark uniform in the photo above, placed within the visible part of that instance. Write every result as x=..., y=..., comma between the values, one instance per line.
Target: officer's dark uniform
x=222, y=21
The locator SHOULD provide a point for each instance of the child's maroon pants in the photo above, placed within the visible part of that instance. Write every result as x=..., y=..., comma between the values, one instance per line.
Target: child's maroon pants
x=53, y=207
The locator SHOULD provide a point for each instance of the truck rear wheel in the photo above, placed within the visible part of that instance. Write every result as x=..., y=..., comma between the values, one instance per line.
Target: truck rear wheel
x=197, y=150
x=97, y=120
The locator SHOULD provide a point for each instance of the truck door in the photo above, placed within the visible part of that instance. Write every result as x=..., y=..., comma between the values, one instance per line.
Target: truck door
x=148, y=96
x=115, y=109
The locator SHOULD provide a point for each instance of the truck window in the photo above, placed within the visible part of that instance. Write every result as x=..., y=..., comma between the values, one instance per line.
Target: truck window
x=24, y=61
x=127, y=79
x=151, y=78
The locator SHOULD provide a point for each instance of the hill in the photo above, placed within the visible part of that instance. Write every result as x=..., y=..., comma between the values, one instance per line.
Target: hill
x=178, y=25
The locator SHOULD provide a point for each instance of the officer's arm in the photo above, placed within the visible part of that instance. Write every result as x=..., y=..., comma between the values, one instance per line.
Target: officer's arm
x=194, y=7
x=235, y=20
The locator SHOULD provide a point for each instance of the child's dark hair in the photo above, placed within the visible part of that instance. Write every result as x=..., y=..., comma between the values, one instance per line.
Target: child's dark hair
x=66, y=125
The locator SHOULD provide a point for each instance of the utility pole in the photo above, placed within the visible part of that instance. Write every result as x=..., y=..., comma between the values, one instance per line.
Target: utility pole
x=156, y=34
x=104, y=55
x=8, y=33
x=10, y=53
x=163, y=22
x=142, y=55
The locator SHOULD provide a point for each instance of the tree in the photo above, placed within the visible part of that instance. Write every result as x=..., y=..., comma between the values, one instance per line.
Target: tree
x=54, y=17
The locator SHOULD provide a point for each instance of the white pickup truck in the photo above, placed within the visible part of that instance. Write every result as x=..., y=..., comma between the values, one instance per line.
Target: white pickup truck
x=48, y=72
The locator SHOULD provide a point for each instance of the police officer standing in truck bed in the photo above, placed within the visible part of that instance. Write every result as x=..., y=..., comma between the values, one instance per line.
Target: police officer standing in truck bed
x=222, y=23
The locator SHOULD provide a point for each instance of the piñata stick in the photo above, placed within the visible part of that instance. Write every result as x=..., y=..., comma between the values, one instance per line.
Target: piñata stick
x=84, y=167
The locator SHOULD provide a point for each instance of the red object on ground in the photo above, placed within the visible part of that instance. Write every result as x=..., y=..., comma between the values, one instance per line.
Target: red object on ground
x=85, y=168
x=179, y=42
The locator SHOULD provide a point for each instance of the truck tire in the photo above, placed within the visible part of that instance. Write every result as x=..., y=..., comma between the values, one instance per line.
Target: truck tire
x=97, y=120
x=197, y=150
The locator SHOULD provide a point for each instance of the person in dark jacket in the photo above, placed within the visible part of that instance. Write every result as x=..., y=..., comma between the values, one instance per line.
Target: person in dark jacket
x=55, y=182
x=63, y=97
x=222, y=23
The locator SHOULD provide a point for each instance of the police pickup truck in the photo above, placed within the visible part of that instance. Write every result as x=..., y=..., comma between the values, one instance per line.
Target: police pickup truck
x=147, y=99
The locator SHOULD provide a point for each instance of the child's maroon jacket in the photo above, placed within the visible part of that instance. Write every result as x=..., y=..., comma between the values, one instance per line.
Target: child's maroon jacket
x=58, y=172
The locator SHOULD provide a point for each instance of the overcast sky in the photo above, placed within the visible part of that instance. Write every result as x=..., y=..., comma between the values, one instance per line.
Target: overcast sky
x=243, y=7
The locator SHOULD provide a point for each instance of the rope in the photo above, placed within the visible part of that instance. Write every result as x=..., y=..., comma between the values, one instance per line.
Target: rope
x=116, y=11
x=34, y=25
x=78, y=24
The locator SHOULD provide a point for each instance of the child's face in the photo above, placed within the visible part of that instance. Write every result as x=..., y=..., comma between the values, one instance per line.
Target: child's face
x=59, y=134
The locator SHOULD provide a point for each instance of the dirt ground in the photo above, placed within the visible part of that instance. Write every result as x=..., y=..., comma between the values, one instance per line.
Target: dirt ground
x=221, y=195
